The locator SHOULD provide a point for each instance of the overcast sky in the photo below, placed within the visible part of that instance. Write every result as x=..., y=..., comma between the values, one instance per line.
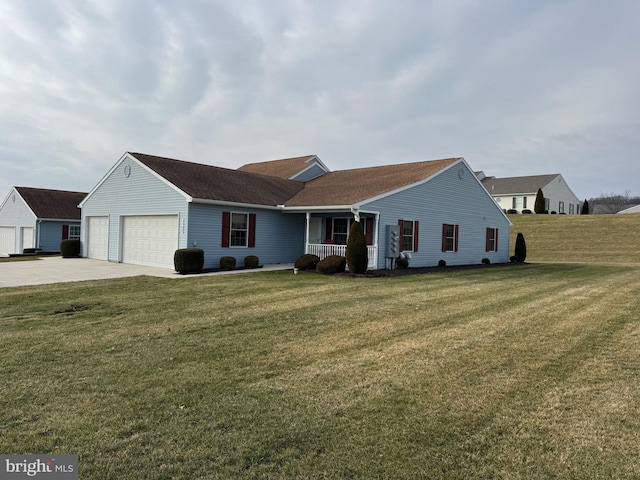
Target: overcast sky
x=516, y=87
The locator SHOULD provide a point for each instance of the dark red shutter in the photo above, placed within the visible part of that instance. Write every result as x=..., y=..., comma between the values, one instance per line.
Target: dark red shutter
x=455, y=249
x=495, y=243
x=252, y=229
x=369, y=230
x=401, y=239
x=329, y=231
x=444, y=237
x=65, y=232
x=487, y=240
x=415, y=236
x=226, y=228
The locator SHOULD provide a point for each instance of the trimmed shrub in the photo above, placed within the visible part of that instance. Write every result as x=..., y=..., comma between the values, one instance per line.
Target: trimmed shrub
x=188, y=260
x=442, y=263
x=486, y=261
x=332, y=264
x=538, y=206
x=521, y=248
x=308, y=261
x=227, y=263
x=70, y=248
x=402, y=262
x=585, y=208
x=513, y=259
x=251, y=261
x=512, y=211
x=357, y=256
x=526, y=210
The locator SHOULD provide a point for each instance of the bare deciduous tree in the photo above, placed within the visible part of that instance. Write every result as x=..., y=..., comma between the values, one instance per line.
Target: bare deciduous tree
x=613, y=203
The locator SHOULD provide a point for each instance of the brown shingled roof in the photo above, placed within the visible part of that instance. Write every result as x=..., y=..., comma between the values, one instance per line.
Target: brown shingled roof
x=284, y=168
x=52, y=204
x=215, y=183
x=348, y=187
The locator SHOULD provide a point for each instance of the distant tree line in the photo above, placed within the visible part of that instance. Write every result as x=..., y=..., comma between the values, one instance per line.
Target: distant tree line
x=612, y=202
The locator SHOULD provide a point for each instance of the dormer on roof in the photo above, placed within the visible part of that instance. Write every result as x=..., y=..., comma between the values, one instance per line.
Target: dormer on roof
x=301, y=169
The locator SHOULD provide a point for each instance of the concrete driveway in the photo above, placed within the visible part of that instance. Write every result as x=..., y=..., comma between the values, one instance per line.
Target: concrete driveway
x=58, y=269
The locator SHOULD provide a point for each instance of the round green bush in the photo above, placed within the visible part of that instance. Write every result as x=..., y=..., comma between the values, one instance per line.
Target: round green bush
x=188, y=260
x=251, y=261
x=307, y=261
x=486, y=261
x=442, y=263
x=70, y=248
x=227, y=263
x=332, y=264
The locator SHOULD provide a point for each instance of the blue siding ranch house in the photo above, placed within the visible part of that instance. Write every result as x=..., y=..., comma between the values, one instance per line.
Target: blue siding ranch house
x=146, y=207
x=37, y=218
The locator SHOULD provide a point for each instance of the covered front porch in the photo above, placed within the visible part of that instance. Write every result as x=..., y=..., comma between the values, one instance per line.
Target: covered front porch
x=327, y=233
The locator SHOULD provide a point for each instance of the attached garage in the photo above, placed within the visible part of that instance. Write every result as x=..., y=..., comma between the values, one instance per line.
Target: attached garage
x=7, y=239
x=149, y=240
x=97, y=237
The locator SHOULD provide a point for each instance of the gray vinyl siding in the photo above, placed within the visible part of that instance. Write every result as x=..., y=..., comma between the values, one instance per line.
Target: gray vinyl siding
x=449, y=199
x=16, y=214
x=310, y=174
x=279, y=236
x=141, y=193
x=50, y=234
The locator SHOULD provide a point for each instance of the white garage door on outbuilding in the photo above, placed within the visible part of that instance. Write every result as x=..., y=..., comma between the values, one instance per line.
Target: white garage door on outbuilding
x=7, y=239
x=150, y=240
x=97, y=237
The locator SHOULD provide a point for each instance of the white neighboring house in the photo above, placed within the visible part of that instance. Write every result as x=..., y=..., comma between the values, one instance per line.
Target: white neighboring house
x=519, y=193
x=634, y=209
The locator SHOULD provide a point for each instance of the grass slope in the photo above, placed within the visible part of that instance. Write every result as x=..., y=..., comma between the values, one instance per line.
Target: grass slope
x=594, y=239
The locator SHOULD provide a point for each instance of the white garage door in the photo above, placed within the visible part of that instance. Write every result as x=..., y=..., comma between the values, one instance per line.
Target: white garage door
x=27, y=237
x=150, y=240
x=7, y=239
x=97, y=237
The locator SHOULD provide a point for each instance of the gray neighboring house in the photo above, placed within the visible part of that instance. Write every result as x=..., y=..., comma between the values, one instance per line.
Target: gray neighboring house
x=519, y=193
x=38, y=218
x=634, y=209
x=146, y=207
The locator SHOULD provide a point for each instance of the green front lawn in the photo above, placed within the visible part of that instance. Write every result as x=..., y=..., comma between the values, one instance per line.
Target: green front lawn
x=519, y=372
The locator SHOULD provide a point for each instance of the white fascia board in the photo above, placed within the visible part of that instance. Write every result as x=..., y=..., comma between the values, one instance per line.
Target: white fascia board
x=316, y=159
x=317, y=208
x=134, y=159
x=6, y=199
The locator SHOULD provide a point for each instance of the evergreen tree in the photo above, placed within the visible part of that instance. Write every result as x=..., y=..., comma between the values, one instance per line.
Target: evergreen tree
x=538, y=207
x=357, y=256
x=585, y=207
x=521, y=248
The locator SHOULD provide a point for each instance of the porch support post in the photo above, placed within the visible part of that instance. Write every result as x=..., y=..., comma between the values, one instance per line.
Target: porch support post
x=307, y=222
x=376, y=236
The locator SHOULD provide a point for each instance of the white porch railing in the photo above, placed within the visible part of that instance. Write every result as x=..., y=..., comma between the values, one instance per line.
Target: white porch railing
x=323, y=250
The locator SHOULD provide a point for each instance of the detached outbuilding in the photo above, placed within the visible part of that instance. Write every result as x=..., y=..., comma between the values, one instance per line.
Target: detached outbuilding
x=146, y=207
x=38, y=218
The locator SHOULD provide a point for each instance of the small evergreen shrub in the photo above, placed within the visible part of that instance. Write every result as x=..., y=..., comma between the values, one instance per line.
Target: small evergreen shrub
x=513, y=259
x=442, y=263
x=356, y=253
x=526, y=210
x=486, y=261
x=227, y=263
x=251, y=261
x=307, y=261
x=332, y=264
x=521, y=248
x=538, y=206
x=402, y=262
x=512, y=211
x=70, y=248
x=188, y=260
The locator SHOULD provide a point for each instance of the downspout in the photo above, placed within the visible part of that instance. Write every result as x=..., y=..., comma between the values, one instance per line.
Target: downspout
x=307, y=222
x=375, y=238
x=37, y=239
x=356, y=214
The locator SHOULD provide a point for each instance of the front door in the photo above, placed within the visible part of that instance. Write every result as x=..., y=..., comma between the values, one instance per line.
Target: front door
x=315, y=230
